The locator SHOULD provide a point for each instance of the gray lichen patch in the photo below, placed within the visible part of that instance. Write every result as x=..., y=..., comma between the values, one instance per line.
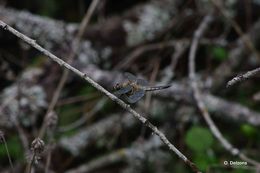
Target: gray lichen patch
x=152, y=20
x=23, y=100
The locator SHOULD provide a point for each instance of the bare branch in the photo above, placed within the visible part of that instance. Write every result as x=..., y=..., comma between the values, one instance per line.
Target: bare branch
x=65, y=74
x=197, y=94
x=74, y=49
x=102, y=90
x=140, y=50
x=243, y=77
x=180, y=91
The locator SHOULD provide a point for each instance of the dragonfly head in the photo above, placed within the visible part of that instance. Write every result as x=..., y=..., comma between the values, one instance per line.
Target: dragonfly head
x=117, y=86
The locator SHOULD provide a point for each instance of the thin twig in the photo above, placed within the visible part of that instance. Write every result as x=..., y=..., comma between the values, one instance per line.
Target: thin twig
x=84, y=118
x=2, y=137
x=76, y=99
x=140, y=50
x=197, y=94
x=180, y=48
x=37, y=147
x=243, y=77
x=102, y=90
x=194, y=45
x=247, y=41
x=49, y=154
x=21, y=132
x=75, y=47
x=29, y=166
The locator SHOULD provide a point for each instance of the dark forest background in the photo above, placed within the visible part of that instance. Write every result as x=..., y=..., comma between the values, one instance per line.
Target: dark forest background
x=84, y=131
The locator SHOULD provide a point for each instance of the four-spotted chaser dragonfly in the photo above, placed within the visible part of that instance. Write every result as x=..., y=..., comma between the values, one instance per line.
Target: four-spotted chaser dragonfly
x=134, y=88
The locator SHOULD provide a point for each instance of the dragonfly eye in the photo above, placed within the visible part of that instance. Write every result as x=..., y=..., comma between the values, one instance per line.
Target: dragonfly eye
x=117, y=86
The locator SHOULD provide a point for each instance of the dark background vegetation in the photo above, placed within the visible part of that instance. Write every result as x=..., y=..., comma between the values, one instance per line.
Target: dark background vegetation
x=150, y=39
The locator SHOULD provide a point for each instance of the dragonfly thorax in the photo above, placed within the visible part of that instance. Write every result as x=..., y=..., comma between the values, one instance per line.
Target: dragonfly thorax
x=134, y=86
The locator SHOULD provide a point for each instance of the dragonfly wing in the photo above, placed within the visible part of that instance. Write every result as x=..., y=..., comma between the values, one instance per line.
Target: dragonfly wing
x=142, y=82
x=135, y=97
x=130, y=76
x=123, y=90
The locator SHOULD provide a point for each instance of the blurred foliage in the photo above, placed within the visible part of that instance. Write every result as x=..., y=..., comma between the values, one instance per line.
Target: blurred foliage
x=248, y=130
x=15, y=149
x=219, y=53
x=220, y=169
x=38, y=61
x=69, y=113
x=199, y=139
x=108, y=107
x=86, y=89
x=243, y=96
x=65, y=10
x=203, y=160
x=48, y=8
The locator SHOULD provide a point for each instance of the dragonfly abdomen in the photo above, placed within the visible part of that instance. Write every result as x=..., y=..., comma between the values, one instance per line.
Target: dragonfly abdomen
x=147, y=88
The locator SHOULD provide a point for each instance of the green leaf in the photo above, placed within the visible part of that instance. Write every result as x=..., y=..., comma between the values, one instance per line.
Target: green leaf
x=205, y=159
x=248, y=130
x=219, y=53
x=199, y=139
x=202, y=161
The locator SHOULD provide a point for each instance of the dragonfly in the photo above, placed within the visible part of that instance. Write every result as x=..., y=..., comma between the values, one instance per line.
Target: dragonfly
x=133, y=89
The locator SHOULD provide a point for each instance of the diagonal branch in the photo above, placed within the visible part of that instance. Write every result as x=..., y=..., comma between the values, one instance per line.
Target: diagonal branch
x=180, y=91
x=243, y=77
x=198, y=98
x=102, y=90
x=65, y=74
x=74, y=49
